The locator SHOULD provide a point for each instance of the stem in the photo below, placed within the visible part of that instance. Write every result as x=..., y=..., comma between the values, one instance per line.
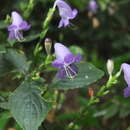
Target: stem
x=29, y=8
x=45, y=28
x=95, y=99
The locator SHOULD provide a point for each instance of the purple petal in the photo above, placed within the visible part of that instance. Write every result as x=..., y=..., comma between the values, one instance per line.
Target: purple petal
x=93, y=6
x=61, y=74
x=24, y=26
x=65, y=10
x=63, y=22
x=127, y=92
x=69, y=58
x=16, y=18
x=57, y=63
x=12, y=27
x=74, y=12
x=11, y=35
x=78, y=58
x=63, y=5
x=61, y=51
x=126, y=69
x=70, y=72
x=18, y=35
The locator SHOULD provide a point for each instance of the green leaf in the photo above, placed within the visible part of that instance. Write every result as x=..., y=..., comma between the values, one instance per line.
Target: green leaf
x=4, y=66
x=4, y=105
x=76, y=50
x=17, y=60
x=3, y=24
x=2, y=49
x=27, y=106
x=29, y=38
x=87, y=75
x=4, y=118
x=128, y=128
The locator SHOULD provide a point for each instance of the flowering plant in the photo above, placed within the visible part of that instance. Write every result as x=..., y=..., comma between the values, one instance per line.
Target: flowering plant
x=45, y=69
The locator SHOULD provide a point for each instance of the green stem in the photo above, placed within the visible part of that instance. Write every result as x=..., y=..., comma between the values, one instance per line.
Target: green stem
x=95, y=99
x=45, y=28
x=29, y=9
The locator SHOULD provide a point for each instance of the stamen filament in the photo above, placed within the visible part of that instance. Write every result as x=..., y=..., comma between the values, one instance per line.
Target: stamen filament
x=18, y=36
x=68, y=71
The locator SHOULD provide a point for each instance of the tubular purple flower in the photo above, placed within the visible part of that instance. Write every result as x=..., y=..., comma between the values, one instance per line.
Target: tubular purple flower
x=65, y=62
x=93, y=6
x=66, y=13
x=126, y=69
x=18, y=25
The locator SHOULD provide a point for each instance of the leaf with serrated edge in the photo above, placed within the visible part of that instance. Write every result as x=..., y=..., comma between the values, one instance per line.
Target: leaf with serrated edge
x=27, y=106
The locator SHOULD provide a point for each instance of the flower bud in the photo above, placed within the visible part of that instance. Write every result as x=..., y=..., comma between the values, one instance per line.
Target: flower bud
x=48, y=45
x=90, y=92
x=110, y=66
x=95, y=22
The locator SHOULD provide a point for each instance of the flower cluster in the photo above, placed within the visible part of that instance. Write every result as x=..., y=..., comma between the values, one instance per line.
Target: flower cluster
x=19, y=25
x=64, y=58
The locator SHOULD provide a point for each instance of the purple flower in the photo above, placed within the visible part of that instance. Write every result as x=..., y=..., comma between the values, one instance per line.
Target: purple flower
x=65, y=62
x=93, y=6
x=66, y=13
x=18, y=25
x=126, y=69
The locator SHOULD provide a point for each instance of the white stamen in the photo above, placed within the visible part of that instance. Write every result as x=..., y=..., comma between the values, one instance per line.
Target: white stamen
x=18, y=36
x=68, y=71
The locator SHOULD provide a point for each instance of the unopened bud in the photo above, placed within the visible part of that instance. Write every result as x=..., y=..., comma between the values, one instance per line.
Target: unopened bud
x=95, y=22
x=90, y=92
x=110, y=66
x=48, y=45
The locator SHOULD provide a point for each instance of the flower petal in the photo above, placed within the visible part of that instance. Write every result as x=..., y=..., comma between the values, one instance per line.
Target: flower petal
x=24, y=26
x=18, y=35
x=65, y=12
x=93, y=6
x=63, y=22
x=127, y=92
x=126, y=69
x=16, y=18
x=12, y=27
x=11, y=35
x=57, y=63
x=61, y=51
x=69, y=58
x=74, y=12
x=63, y=5
x=78, y=58
x=61, y=74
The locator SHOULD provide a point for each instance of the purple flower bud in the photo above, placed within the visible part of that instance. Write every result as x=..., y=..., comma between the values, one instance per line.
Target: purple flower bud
x=18, y=25
x=65, y=62
x=66, y=13
x=126, y=69
x=93, y=6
